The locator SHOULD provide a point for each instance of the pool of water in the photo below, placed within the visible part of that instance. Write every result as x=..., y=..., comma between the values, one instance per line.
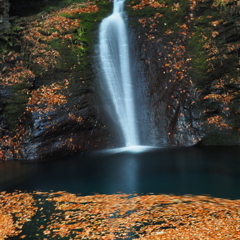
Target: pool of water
x=196, y=170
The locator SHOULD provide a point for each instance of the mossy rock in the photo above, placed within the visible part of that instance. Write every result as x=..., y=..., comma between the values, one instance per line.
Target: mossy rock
x=217, y=137
x=15, y=104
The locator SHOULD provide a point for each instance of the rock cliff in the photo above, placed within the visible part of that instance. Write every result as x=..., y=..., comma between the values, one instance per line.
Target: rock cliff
x=185, y=61
x=189, y=56
x=47, y=89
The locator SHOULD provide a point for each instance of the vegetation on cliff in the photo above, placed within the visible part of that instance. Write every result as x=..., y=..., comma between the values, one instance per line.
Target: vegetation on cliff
x=200, y=62
x=46, y=72
x=46, y=64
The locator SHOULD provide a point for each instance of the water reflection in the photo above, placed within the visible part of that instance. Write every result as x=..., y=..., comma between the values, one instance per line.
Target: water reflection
x=213, y=171
x=125, y=171
x=12, y=172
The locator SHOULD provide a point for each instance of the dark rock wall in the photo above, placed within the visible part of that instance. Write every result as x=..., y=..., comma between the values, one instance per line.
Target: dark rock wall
x=4, y=15
x=185, y=64
x=190, y=55
x=170, y=120
x=47, y=99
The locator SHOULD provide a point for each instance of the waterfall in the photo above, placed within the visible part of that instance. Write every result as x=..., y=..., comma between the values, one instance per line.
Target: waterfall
x=116, y=72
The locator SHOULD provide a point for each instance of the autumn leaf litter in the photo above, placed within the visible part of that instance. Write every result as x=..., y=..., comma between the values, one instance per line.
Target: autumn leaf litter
x=119, y=216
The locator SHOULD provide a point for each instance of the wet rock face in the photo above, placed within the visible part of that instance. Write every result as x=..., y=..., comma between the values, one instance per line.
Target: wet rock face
x=58, y=134
x=47, y=106
x=63, y=130
x=45, y=132
x=219, y=98
x=190, y=71
x=171, y=118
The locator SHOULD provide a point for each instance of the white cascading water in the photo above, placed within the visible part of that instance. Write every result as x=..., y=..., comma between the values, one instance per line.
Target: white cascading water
x=115, y=66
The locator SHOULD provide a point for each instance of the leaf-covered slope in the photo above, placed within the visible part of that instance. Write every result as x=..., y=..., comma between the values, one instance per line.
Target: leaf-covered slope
x=46, y=83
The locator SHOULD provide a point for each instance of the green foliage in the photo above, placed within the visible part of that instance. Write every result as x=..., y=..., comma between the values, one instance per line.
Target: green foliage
x=220, y=4
x=16, y=28
x=169, y=21
x=75, y=62
x=199, y=56
x=146, y=12
x=67, y=15
x=5, y=43
x=217, y=137
x=15, y=104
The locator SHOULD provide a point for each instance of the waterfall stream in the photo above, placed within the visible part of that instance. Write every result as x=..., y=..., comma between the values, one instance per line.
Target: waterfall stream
x=116, y=71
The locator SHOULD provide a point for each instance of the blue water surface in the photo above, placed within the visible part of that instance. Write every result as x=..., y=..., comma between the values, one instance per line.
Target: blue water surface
x=190, y=170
